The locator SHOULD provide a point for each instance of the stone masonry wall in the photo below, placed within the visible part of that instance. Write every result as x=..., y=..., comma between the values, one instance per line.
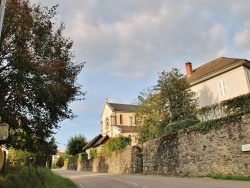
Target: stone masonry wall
x=128, y=160
x=191, y=153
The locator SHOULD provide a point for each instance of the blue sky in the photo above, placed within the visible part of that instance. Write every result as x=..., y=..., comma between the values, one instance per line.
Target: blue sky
x=125, y=43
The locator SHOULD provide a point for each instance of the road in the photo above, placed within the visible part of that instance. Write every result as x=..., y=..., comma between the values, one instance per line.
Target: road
x=105, y=180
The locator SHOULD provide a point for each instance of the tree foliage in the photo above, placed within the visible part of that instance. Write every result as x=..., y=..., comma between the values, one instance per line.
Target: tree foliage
x=37, y=74
x=75, y=144
x=170, y=100
x=149, y=115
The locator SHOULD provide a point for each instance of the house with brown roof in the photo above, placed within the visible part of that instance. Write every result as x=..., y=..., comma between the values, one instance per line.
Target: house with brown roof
x=118, y=119
x=219, y=80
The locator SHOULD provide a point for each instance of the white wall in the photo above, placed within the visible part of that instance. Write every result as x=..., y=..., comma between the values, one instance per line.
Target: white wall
x=237, y=83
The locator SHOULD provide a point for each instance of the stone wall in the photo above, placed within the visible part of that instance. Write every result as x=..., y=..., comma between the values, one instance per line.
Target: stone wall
x=191, y=153
x=128, y=160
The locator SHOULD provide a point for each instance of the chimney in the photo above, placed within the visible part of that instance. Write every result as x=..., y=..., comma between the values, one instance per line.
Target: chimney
x=189, y=69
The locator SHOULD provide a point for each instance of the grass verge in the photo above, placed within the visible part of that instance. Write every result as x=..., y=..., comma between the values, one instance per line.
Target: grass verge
x=229, y=177
x=21, y=177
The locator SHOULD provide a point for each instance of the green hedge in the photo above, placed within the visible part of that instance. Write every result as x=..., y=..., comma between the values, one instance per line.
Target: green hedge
x=178, y=125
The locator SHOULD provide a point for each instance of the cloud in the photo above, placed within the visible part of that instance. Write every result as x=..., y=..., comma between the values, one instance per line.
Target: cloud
x=134, y=38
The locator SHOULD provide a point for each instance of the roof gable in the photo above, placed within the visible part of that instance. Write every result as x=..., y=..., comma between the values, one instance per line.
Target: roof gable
x=123, y=107
x=215, y=67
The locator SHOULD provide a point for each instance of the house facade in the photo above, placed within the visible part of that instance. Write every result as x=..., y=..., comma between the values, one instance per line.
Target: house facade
x=219, y=80
x=118, y=119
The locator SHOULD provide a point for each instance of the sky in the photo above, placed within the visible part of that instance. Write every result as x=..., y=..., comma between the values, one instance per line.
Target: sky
x=126, y=43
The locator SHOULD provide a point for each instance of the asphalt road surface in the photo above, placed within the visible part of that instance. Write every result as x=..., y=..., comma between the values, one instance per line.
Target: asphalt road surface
x=105, y=180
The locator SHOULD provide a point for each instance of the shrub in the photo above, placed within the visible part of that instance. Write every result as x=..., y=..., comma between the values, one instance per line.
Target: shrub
x=93, y=153
x=115, y=144
x=178, y=125
x=82, y=157
x=60, y=162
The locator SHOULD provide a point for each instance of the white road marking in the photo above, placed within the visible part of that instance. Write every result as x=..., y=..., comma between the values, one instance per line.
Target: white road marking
x=131, y=182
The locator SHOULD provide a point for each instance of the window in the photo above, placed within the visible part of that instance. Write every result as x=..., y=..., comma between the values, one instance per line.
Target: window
x=121, y=119
x=130, y=120
x=222, y=88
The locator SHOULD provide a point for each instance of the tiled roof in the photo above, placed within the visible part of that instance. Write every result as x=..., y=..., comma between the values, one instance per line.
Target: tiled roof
x=92, y=142
x=216, y=66
x=101, y=141
x=123, y=107
x=126, y=129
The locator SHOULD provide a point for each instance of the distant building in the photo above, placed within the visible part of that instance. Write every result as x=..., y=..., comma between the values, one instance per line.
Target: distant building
x=219, y=80
x=118, y=119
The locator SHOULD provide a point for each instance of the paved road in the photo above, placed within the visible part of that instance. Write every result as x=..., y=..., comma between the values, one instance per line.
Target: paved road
x=104, y=180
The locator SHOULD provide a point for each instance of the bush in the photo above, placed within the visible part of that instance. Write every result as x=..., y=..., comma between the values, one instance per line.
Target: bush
x=60, y=162
x=93, y=153
x=178, y=125
x=115, y=144
x=82, y=157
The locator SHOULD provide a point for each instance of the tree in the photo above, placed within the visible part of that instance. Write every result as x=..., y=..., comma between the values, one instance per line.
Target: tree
x=75, y=144
x=37, y=74
x=148, y=115
x=177, y=100
x=170, y=100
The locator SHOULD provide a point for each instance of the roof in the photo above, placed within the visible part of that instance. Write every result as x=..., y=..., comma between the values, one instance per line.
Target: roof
x=214, y=68
x=95, y=142
x=126, y=129
x=123, y=107
x=101, y=141
x=92, y=142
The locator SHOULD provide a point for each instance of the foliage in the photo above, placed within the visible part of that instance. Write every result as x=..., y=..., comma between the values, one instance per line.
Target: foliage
x=227, y=111
x=178, y=125
x=229, y=177
x=82, y=157
x=148, y=116
x=93, y=153
x=60, y=162
x=22, y=177
x=177, y=100
x=115, y=144
x=237, y=105
x=75, y=144
x=18, y=156
x=170, y=100
x=37, y=74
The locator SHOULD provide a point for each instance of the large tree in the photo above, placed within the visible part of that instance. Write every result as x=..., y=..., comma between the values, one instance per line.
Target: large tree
x=169, y=101
x=149, y=115
x=75, y=144
x=178, y=101
x=38, y=73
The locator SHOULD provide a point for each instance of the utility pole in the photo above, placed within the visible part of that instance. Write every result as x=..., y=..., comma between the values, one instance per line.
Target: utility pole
x=2, y=9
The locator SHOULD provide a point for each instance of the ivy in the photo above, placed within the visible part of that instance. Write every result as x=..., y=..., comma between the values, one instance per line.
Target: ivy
x=178, y=125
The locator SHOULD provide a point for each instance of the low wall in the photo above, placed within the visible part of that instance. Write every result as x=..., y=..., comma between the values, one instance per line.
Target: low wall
x=128, y=160
x=191, y=153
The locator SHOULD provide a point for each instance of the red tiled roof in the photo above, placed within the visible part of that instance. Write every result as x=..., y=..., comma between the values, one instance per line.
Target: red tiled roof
x=214, y=67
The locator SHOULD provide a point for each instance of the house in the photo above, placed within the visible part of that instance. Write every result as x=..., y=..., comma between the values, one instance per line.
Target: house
x=96, y=142
x=118, y=119
x=219, y=80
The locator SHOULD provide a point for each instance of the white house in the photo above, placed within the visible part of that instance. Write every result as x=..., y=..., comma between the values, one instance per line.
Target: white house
x=219, y=80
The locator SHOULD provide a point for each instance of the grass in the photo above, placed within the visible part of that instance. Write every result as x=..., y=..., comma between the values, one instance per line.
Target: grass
x=229, y=177
x=21, y=177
